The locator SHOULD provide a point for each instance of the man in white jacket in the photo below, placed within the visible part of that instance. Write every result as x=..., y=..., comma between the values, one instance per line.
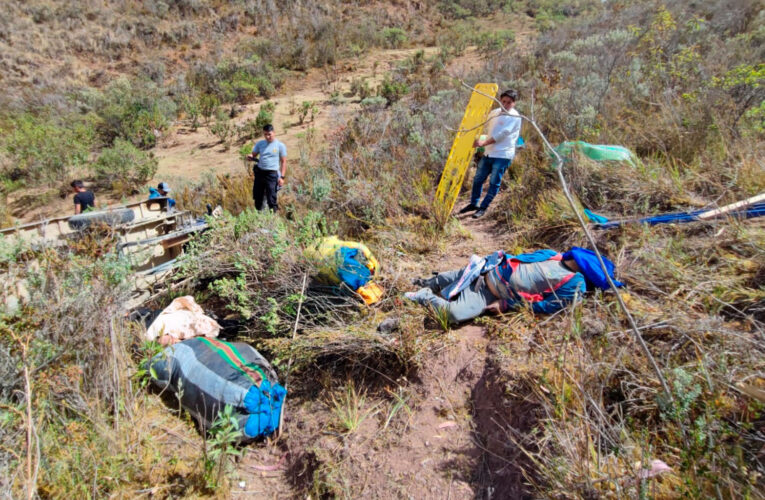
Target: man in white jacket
x=499, y=147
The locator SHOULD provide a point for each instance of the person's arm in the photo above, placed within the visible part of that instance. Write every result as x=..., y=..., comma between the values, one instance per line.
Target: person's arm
x=283, y=171
x=502, y=134
x=77, y=209
x=254, y=153
x=478, y=143
x=493, y=115
x=563, y=296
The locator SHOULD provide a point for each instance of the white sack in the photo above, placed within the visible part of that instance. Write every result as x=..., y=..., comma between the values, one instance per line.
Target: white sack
x=182, y=319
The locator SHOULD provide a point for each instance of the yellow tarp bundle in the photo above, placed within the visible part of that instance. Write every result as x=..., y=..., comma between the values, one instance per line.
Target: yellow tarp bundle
x=325, y=256
x=328, y=260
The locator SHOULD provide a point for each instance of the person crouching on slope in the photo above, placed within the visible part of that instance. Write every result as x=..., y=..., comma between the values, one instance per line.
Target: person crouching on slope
x=84, y=199
x=162, y=191
x=545, y=280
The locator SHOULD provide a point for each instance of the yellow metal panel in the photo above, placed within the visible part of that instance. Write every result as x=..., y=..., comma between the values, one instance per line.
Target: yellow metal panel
x=462, y=149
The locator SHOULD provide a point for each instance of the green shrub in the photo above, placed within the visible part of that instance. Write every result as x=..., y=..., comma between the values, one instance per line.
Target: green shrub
x=361, y=88
x=208, y=104
x=494, y=41
x=373, y=103
x=394, y=37
x=235, y=80
x=244, y=87
x=247, y=131
x=253, y=128
x=392, y=90
x=461, y=9
x=221, y=449
x=191, y=106
x=454, y=10
x=265, y=116
x=306, y=109
x=41, y=148
x=137, y=111
x=268, y=106
x=124, y=167
x=222, y=129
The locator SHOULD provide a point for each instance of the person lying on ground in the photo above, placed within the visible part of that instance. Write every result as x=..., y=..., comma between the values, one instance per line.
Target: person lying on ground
x=162, y=191
x=84, y=199
x=544, y=280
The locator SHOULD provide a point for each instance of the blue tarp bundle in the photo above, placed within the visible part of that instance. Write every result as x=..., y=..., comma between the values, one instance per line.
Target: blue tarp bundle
x=747, y=212
x=208, y=374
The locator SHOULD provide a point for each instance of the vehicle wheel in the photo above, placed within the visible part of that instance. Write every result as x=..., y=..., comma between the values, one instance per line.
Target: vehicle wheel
x=109, y=217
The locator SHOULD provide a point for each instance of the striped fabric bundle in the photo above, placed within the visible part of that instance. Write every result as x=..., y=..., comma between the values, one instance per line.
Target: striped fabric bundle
x=210, y=374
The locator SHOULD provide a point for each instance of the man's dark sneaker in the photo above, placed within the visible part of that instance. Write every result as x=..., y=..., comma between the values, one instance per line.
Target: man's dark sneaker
x=418, y=282
x=469, y=208
x=479, y=213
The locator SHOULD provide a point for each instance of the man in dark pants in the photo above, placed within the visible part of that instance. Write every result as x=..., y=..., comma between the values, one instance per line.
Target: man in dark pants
x=270, y=169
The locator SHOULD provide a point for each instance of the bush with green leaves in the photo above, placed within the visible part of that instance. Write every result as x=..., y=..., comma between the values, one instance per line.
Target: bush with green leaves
x=222, y=128
x=361, y=88
x=235, y=80
x=308, y=110
x=208, y=105
x=391, y=89
x=124, y=168
x=265, y=116
x=134, y=110
x=394, y=37
x=260, y=271
x=373, y=103
x=45, y=148
x=461, y=9
x=220, y=447
x=494, y=41
x=192, y=108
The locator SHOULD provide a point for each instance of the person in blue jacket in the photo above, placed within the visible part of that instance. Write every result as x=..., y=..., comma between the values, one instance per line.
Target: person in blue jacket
x=162, y=191
x=545, y=280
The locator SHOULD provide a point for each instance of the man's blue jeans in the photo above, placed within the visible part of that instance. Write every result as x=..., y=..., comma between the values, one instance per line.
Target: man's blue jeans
x=494, y=167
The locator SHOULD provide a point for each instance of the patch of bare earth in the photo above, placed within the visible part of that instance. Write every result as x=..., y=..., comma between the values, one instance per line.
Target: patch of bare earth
x=426, y=450
x=186, y=154
x=454, y=437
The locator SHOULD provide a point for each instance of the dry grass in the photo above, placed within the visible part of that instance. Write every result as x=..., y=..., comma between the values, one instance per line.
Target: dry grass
x=75, y=419
x=600, y=417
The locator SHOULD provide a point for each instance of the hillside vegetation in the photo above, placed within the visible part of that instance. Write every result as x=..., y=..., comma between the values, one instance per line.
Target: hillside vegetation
x=515, y=406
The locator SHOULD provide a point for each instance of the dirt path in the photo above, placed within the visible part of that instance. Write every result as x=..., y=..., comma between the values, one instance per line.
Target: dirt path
x=439, y=443
x=437, y=448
